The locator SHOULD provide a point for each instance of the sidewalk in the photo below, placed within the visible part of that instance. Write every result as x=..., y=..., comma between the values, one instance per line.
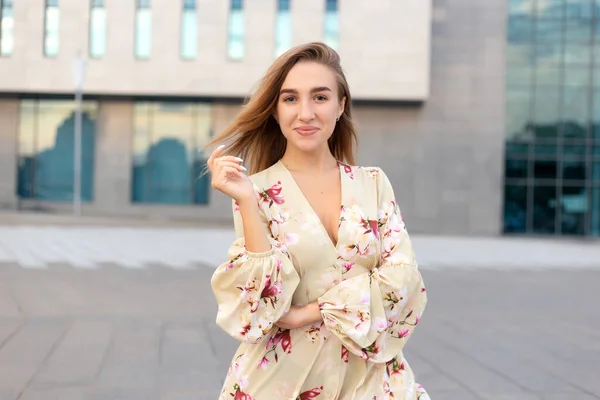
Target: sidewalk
x=37, y=241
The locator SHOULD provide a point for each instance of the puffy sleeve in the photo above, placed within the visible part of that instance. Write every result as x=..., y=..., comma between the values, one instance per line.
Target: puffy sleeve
x=253, y=290
x=374, y=313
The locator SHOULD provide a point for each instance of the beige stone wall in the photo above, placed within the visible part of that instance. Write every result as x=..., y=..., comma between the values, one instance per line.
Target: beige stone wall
x=385, y=48
x=9, y=124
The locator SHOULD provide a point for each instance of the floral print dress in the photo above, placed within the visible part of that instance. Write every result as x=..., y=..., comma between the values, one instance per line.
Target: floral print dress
x=368, y=287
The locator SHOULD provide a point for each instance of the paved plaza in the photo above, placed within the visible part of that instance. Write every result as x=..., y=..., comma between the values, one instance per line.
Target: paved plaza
x=127, y=313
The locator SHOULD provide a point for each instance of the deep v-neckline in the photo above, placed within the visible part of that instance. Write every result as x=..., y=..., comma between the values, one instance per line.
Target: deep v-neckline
x=303, y=197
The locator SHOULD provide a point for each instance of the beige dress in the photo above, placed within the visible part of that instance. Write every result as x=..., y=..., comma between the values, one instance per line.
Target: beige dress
x=368, y=286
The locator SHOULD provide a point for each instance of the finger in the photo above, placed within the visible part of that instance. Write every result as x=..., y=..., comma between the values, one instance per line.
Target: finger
x=221, y=164
x=229, y=158
x=216, y=152
x=231, y=171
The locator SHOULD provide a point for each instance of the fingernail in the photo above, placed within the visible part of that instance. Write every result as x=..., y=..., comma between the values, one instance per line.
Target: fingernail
x=244, y=168
x=239, y=159
x=221, y=146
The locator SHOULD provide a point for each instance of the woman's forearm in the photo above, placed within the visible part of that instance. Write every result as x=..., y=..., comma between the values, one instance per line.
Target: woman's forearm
x=255, y=234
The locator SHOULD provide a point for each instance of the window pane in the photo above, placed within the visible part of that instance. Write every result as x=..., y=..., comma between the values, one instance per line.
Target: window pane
x=579, y=9
x=595, y=212
x=521, y=55
x=549, y=30
x=576, y=111
x=578, y=53
x=47, y=172
x=283, y=28
x=517, y=113
x=547, y=77
x=141, y=144
x=546, y=134
x=544, y=209
x=520, y=29
x=52, y=31
x=550, y=8
x=235, y=49
x=574, y=169
x=574, y=209
x=521, y=7
x=143, y=34
x=548, y=55
x=515, y=208
x=516, y=168
x=7, y=24
x=578, y=30
x=332, y=27
x=596, y=171
x=189, y=33
x=517, y=148
x=546, y=105
x=97, y=31
x=545, y=168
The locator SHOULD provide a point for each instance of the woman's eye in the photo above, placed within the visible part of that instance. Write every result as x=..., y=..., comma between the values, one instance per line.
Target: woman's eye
x=288, y=99
x=321, y=97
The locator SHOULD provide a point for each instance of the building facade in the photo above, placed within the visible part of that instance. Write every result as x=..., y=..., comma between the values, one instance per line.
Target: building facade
x=433, y=85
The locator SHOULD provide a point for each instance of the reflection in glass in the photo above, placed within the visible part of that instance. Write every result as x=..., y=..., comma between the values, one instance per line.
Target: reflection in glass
x=51, y=28
x=515, y=208
x=168, y=157
x=283, y=27
x=189, y=30
x=574, y=169
x=7, y=23
x=548, y=30
x=517, y=112
x=550, y=8
x=46, y=149
x=579, y=9
x=574, y=206
x=516, y=148
x=97, y=29
x=235, y=48
x=596, y=171
x=545, y=169
x=546, y=105
x=520, y=29
x=520, y=7
x=143, y=29
x=544, y=209
x=578, y=30
x=516, y=168
x=578, y=53
x=332, y=24
x=595, y=212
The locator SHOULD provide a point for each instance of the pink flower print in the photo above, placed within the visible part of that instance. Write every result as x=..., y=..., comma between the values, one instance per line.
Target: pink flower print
x=310, y=394
x=403, y=333
x=264, y=363
x=282, y=337
x=273, y=194
x=345, y=354
x=417, y=320
x=347, y=169
x=239, y=395
x=374, y=225
x=237, y=206
x=347, y=266
x=270, y=290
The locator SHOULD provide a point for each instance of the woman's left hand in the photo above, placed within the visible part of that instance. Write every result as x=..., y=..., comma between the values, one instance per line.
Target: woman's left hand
x=299, y=316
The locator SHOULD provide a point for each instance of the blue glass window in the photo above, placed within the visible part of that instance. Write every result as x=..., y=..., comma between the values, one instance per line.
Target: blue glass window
x=235, y=48
x=332, y=24
x=51, y=28
x=143, y=29
x=283, y=27
x=7, y=22
x=189, y=30
x=97, y=29
x=167, y=153
x=46, y=150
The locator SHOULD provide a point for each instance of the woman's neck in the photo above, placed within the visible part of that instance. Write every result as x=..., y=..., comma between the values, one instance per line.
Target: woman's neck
x=312, y=163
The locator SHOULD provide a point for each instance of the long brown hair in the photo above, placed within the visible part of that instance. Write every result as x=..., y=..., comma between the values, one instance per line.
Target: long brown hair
x=256, y=137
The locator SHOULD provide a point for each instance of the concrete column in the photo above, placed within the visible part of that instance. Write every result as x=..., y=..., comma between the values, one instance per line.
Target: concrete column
x=9, y=125
x=114, y=140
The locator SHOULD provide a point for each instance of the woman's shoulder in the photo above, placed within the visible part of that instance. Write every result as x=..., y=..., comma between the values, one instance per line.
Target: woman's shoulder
x=361, y=172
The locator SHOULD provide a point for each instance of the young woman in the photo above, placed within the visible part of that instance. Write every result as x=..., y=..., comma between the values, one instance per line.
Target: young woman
x=321, y=285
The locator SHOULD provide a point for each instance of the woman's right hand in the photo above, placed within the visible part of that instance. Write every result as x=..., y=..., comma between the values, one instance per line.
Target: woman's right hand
x=228, y=177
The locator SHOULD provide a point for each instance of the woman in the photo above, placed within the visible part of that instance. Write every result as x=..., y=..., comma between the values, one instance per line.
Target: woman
x=321, y=285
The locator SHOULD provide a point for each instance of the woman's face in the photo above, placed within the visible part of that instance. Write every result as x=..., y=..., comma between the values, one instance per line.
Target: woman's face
x=308, y=106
